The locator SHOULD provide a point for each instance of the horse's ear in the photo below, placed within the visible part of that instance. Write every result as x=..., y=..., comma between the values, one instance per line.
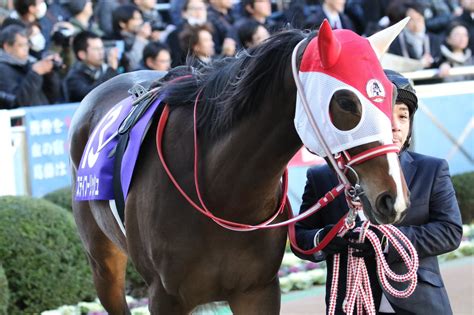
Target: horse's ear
x=329, y=46
x=382, y=40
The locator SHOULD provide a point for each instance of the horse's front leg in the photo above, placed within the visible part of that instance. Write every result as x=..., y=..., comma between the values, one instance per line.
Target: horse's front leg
x=162, y=303
x=265, y=300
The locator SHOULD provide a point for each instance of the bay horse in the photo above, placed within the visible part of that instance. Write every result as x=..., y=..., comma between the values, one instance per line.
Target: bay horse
x=246, y=137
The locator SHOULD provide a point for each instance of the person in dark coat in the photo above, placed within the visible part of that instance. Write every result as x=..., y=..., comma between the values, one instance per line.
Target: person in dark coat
x=90, y=70
x=25, y=82
x=193, y=13
x=219, y=15
x=467, y=18
x=333, y=11
x=432, y=223
x=414, y=42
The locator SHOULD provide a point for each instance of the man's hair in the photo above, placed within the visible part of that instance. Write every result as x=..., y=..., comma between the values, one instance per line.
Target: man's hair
x=152, y=50
x=244, y=3
x=122, y=14
x=245, y=31
x=21, y=6
x=189, y=37
x=397, y=9
x=8, y=34
x=80, y=41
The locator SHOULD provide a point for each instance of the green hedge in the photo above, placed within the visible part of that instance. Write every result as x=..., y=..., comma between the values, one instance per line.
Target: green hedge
x=4, y=292
x=42, y=256
x=61, y=197
x=134, y=283
x=464, y=187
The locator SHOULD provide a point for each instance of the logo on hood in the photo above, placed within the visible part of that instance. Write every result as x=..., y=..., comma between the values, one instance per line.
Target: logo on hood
x=375, y=91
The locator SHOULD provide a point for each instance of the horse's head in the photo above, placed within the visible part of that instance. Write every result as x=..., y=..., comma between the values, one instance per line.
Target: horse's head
x=349, y=99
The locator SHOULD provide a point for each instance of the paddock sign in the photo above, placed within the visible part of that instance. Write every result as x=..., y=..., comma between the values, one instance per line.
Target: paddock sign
x=48, y=148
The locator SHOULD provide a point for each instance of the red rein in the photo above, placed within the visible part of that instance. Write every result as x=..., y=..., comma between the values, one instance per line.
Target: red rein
x=235, y=226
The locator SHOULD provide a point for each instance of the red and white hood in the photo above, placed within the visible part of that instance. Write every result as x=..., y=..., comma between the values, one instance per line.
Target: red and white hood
x=337, y=60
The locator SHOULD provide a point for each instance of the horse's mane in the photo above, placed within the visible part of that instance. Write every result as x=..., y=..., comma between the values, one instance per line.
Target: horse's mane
x=232, y=88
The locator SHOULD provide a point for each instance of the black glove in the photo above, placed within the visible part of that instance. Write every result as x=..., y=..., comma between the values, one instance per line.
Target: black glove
x=337, y=245
x=366, y=248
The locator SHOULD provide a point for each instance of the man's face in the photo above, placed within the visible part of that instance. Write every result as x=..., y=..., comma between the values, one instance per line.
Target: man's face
x=161, y=62
x=95, y=52
x=416, y=24
x=19, y=49
x=337, y=5
x=262, y=8
x=134, y=24
x=205, y=46
x=196, y=9
x=260, y=35
x=400, y=124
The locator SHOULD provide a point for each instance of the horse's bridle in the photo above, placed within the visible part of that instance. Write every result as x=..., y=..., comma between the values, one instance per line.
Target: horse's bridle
x=342, y=162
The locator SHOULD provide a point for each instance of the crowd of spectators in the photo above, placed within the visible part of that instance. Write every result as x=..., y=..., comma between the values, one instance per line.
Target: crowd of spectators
x=56, y=51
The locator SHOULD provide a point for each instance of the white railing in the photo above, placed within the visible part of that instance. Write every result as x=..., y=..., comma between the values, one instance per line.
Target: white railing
x=433, y=73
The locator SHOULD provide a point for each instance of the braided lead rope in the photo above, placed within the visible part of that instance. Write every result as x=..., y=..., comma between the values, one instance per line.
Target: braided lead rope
x=358, y=290
x=334, y=285
x=410, y=259
x=383, y=270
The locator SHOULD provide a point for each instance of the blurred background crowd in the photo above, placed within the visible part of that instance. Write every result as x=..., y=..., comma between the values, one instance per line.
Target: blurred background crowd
x=56, y=51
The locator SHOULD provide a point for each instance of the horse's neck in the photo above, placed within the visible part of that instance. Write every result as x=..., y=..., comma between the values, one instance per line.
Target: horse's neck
x=248, y=163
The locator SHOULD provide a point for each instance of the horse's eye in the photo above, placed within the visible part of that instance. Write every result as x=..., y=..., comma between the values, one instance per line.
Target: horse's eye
x=346, y=109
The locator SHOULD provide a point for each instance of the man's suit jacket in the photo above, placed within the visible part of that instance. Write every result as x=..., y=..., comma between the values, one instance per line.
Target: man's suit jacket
x=315, y=19
x=433, y=225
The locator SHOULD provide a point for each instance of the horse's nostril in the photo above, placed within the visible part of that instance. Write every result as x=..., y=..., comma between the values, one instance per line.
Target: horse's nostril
x=385, y=202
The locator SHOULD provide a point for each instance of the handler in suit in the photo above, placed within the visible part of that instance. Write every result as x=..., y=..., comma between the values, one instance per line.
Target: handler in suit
x=433, y=220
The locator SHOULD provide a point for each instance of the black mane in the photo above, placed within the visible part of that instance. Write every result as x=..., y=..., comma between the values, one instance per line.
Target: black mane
x=232, y=88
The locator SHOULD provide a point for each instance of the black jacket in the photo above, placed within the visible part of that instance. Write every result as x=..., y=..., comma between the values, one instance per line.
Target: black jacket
x=467, y=19
x=24, y=86
x=432, y=224
x=314, y=19
x=81, y=79
x=434, y=48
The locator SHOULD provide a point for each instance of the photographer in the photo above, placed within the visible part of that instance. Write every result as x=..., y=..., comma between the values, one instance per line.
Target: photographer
x=129, y=27
x=25, y=83
x=152, y=16
x=61, y=39
x=90, y=70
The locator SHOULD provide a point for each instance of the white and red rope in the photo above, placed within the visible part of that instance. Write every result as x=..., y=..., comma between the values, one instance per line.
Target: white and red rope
x=358, y=291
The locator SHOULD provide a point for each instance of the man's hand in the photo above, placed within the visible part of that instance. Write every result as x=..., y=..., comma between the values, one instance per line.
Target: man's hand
x=366, y=248
x=112, y=58
x=144, y=31
x=46, y=64
x=337, y=245
x=228, y=47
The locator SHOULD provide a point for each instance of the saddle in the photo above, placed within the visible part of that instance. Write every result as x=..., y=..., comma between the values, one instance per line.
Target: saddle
x=142, y=99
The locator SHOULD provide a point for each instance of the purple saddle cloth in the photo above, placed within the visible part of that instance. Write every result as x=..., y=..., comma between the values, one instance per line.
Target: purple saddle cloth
x=94, y=180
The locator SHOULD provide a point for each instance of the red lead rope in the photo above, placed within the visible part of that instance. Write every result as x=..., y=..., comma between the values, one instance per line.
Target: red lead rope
x=330, y=196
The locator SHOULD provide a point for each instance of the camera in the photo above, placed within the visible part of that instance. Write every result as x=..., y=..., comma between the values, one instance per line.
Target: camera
x=62, y=37
x=157, y=26
x=7, y=100
x=57, y=65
